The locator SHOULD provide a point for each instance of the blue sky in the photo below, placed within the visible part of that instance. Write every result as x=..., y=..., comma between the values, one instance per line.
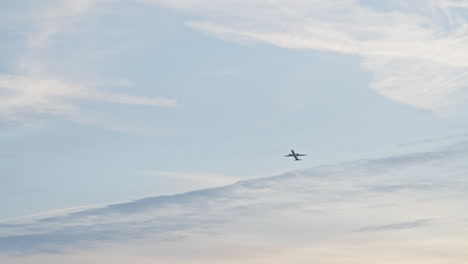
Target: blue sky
x=107, y=101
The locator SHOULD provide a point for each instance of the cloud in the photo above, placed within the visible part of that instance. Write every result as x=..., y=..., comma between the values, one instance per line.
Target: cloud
x=397, y=226
x=452, y=138
x=417, y=52
x=304, y=208
x=56, y=16
x=56, y=72
x=55, y=212
x=24, y=99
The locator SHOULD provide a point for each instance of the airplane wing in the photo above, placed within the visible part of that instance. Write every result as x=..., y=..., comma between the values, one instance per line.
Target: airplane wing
x=295, y=155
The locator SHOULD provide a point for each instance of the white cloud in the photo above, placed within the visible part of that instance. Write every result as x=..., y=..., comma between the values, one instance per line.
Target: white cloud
x=452, y=3
x=55, y=16
x=25, y=98
x=51, y=213
x=418, y=52
x=39, y=89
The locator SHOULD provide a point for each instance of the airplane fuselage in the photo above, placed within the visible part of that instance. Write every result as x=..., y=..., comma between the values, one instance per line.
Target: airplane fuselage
x=295, y=155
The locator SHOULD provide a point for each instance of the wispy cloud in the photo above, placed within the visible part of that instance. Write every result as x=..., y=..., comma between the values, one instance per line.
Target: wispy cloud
x=54, y=17
x=417, y=52
x=397, y=226
x=442, y=140
x=50, y=213
x=39, y=90
x=25, y=98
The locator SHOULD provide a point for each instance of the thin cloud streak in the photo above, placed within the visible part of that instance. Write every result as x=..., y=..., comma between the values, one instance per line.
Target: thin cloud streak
x=26, y=98
x=54, y=212
x=56, y=16
x=397, y=226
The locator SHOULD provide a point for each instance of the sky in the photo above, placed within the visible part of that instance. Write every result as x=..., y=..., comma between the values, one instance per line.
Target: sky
x=142, y=128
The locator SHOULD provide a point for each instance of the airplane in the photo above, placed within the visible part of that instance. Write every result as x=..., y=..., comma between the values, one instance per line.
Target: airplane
x=295, y=155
